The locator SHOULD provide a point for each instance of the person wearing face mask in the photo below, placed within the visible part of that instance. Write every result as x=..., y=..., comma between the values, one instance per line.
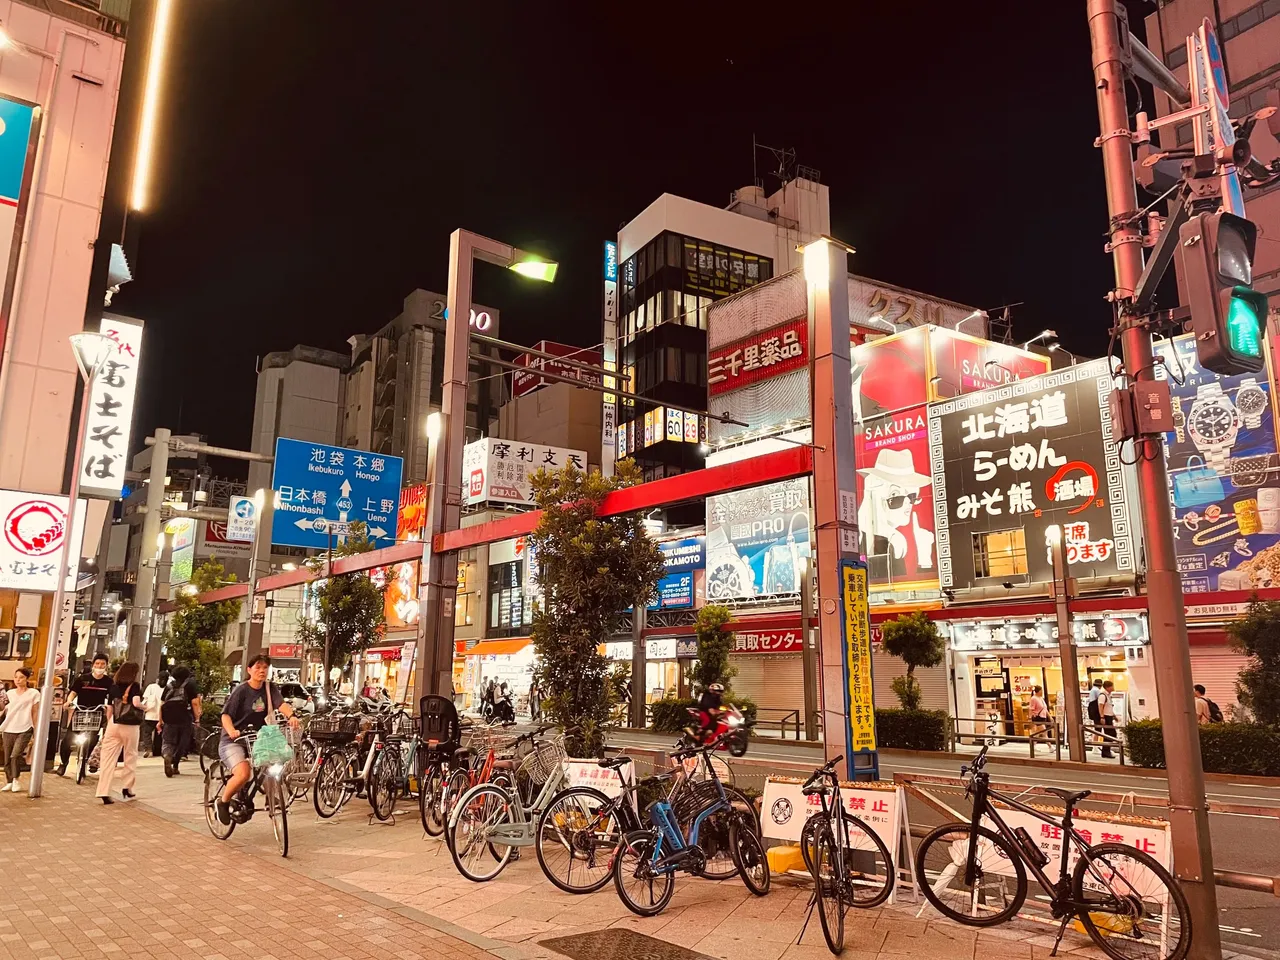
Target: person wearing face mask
x=87, y=693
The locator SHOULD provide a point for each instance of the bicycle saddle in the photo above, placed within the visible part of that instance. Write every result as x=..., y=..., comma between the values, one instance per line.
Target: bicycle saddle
x=1069, y=797
x=615, y=763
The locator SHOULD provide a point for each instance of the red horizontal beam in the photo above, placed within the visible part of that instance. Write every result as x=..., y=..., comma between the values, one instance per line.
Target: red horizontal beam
x=398, y=553
x=781, y=465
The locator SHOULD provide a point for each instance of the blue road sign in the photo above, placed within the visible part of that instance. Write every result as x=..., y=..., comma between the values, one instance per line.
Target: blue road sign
x=317, y=485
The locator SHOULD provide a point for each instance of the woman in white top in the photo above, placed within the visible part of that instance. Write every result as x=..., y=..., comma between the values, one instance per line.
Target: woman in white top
x=19, y=722
x=151, y=698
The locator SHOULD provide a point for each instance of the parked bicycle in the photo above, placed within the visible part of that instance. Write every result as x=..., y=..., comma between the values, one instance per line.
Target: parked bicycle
x=1126, y=901
x=645, y=867
x=850, y=864
x=440, y=730
x=334, y=782
x=267, y=781
x=395, y=771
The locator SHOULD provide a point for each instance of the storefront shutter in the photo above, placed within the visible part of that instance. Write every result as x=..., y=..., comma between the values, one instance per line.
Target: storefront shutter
x=933, y=681
x=1218, y=669
x=776, y=684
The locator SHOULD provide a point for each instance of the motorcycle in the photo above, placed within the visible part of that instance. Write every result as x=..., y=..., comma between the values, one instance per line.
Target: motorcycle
x=500, y=711
x=730, y=722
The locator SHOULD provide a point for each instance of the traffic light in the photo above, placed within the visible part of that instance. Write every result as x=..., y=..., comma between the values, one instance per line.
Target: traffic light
x=1228, y=317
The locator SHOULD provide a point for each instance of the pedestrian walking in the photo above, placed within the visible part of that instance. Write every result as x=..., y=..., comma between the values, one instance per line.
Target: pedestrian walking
x=125, y=714
x=535, y=701
x=1206, y=710
x=19, y=723
x=151, y=698
x=1095, y=718
x=180, y=710
x=88, y=692
x=1108, y=714
x=1039, y=715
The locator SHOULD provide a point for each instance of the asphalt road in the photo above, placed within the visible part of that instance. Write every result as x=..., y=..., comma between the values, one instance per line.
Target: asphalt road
x=1247, y=843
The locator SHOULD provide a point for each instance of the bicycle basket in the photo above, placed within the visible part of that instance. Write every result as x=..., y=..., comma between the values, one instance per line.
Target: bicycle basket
x=402, y=726
x=334, y=729
x=545, y=760
x=86, y=721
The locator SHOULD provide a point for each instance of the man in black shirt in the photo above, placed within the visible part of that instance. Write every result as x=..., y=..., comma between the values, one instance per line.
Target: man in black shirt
x=89, y=691
x=180, y=708
x=246, y=710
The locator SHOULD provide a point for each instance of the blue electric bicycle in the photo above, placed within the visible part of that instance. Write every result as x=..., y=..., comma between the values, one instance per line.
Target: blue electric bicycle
x=646, y=863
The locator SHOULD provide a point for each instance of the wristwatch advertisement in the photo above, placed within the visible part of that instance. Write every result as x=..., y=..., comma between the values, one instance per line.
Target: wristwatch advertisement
x=1251, y=402
x=1213, y=424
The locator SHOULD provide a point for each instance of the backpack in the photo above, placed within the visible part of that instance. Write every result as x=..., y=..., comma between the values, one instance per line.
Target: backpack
x=175, y=693
x=1215, y=712
x=1095, y=712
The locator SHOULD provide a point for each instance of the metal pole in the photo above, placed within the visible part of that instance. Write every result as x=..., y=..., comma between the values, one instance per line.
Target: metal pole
x=638, y=668
x=41, y=747
x=144, y=591
x=808, y=653
x=1067, y=651
x=1188, y=811
x=260, y=556
x=328, y=576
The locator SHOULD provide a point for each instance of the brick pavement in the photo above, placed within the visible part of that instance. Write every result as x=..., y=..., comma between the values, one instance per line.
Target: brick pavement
x=355, y=888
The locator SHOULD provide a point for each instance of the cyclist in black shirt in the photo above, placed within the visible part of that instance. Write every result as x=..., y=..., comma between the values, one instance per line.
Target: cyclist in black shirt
x=89, y=691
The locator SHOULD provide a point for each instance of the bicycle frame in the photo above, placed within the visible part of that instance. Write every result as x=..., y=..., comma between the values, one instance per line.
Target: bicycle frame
x=982, y=806
x=670, y=860
x=523, y=833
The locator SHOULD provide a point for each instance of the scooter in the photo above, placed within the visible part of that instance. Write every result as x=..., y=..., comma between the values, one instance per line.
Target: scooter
x=730, y=724
x=501, y=711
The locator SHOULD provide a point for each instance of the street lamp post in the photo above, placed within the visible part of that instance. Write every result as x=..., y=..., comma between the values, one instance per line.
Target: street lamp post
x=91, y=351
x=438, y=581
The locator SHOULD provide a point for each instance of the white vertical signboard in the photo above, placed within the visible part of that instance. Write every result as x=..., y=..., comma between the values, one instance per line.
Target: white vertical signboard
x=609, y=415
x=106, y=438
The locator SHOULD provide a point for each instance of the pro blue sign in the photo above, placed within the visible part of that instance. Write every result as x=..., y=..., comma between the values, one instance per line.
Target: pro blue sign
x=317, y=486
x=675, y=592
x=610, y=260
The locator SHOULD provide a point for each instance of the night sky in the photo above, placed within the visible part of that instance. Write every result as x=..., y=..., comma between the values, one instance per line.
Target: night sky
x=315, y=159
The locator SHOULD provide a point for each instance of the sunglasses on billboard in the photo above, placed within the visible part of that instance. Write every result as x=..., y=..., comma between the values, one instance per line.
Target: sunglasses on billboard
x=897, y=500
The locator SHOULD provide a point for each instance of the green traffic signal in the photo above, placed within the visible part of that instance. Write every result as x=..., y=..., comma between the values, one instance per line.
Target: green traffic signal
x=1246, y=311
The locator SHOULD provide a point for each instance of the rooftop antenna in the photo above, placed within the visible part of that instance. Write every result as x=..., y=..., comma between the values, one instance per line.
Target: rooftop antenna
x=784, y=157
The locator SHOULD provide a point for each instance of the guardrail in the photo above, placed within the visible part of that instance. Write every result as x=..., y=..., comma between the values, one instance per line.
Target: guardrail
x=1050, y=737
x=788, y=717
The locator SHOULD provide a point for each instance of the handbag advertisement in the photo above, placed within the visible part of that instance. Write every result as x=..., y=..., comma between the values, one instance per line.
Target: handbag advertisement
x=1224, y=474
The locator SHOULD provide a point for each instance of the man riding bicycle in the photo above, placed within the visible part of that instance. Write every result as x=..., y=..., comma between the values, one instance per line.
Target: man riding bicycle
x=88, y=692
x=246, y=710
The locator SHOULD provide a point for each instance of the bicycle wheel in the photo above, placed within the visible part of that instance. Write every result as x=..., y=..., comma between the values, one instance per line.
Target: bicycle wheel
x=639, y=887
x=459, y=783
x=209, y=749
x=827, y=887
x=868, y=868
x=994, y=896
x=214, y=780
x=748, y=855
x=576, y=838
x=479, y=812
x=331, y=789
x=84, y=764
x=384, y=782
x=1136, y=910
x=431, y=801
x=278, y=810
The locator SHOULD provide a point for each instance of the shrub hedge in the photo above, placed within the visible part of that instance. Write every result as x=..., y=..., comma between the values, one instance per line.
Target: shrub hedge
x=912, y=729
x=1246, y=748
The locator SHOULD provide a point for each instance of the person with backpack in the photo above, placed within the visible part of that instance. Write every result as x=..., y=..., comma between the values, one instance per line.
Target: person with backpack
x=125, y=713
x=1206, y=710
x=1095, y=718
x=180, y=710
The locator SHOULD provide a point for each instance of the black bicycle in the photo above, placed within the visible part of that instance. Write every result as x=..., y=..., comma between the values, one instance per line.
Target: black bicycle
x=267, y=781
x=1128, y=903
x=850, y=864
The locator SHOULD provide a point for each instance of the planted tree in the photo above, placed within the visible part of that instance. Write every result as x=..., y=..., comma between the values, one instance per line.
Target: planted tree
x=915, y=639
x=1257, y=636
x=350, y=611
x=591, y=569
x=714, y=646
x=196, y=633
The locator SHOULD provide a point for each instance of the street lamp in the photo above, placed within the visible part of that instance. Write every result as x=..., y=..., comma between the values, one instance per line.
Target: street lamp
x=1042, y=335
x=91, y=351
x=976, y=315
x=447, y=432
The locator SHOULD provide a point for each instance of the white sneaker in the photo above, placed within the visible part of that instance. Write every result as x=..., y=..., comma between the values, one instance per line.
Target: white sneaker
x=16, y=787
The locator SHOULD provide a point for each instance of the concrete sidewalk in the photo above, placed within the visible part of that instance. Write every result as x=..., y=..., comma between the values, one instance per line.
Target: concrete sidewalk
x=397, y=892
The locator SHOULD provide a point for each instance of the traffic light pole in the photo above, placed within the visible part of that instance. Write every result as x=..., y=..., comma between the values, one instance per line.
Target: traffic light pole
x=1188, y=814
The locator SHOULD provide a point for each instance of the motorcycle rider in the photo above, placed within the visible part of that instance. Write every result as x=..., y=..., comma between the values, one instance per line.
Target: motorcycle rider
x=709, y=706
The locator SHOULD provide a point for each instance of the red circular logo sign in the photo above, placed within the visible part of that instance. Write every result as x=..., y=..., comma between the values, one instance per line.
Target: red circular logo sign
x=35, y=527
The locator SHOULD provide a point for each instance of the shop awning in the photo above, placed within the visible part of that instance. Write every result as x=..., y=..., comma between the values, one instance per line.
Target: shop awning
x=486, y=647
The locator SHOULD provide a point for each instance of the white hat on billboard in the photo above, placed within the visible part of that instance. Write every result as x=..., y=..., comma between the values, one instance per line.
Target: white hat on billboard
x=899, y=467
